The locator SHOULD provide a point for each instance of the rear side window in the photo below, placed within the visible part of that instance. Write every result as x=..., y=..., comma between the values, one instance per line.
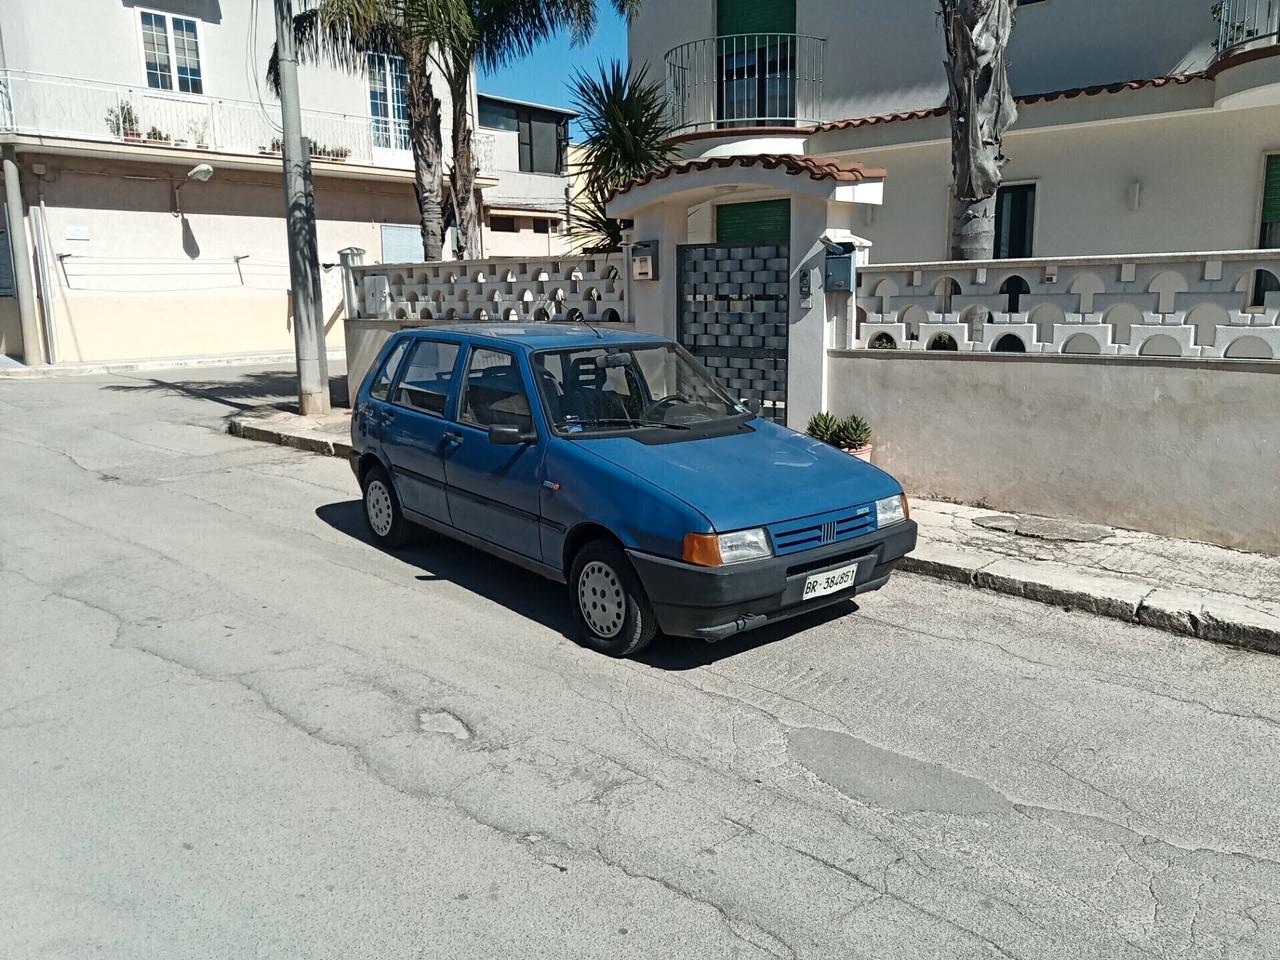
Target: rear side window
x=495, y=391
x=427, y=378
x=382, y=382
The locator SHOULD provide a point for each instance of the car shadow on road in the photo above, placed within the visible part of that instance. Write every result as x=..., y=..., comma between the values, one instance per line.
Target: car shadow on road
x=536, y=598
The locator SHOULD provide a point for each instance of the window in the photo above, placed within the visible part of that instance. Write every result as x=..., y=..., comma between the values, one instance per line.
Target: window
x=765, y=221
x=494, y=391
x=1264, y=280
x=542, y=136
x=502, y=224
x=425, y=383
x=541, y=226
x=171, y=56
x=1015, y=221
x=756, y=65
x=388, y=101
x=382, y=383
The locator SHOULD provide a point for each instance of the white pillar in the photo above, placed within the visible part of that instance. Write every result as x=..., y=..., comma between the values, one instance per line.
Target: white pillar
x=807, y=315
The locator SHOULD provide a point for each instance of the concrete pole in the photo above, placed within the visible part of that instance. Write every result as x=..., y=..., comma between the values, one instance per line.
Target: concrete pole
x=300, y=214
x=350, y=257
x=32, y=348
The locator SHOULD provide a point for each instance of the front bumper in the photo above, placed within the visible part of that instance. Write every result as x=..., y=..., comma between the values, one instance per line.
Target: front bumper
x=712, y=603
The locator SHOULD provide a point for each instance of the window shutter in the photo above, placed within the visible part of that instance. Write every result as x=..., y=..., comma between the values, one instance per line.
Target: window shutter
x=765, y=221
x=1271, y=191
x=755, y=16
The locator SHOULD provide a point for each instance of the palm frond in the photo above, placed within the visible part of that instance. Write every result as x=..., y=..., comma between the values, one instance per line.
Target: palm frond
x=341, y=34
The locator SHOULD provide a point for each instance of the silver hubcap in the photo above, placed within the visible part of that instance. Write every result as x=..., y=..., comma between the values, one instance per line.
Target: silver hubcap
x=377, y=504
x=600, y=599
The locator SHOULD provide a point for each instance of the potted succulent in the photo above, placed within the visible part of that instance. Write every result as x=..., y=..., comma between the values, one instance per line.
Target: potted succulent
x=852, y=434
x=156, y=135
x=122, y=121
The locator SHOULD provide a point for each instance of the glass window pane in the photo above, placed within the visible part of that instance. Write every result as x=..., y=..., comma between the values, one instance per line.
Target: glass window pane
x=382, y=384
x=155, y=51
x=399, y=104
x=186, y=54
x=379, y=102
x=495, y=391
x=497, y=116
x=426, y=381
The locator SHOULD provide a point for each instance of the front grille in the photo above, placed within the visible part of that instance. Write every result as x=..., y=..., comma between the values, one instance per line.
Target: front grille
x=805, y=533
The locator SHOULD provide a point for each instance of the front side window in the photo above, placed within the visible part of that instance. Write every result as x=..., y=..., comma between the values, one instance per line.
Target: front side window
x=388, y=101
x=428, y=377
x=494, y=391
x=171, y=53
x=609, y=389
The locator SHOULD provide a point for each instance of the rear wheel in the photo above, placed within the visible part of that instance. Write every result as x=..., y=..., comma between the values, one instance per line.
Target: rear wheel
x=610, y=608
x=382, y=510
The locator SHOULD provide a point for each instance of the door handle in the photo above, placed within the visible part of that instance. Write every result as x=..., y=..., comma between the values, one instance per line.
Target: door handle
x=386, y=416
x=453, y=437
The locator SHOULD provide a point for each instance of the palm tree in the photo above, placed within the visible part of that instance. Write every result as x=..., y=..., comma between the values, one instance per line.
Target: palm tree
x=626, y=133
x=500, y=31
x=982, y=109
x=344, y=33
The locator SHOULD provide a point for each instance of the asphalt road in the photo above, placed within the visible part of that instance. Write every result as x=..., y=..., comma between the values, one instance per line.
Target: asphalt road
x=231, y=727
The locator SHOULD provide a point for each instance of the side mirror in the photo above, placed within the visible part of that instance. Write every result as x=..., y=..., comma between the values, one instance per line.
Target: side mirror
x=509, y=435
x=752, y=405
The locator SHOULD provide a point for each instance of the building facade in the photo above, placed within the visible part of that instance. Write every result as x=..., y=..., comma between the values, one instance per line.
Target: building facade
x=1142, y=127
x=104, y=111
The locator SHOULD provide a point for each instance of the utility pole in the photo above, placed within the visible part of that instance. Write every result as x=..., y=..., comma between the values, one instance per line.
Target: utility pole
x=300, y=215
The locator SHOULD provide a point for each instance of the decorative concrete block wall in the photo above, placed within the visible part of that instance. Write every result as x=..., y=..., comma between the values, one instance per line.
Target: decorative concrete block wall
x=1210, y=305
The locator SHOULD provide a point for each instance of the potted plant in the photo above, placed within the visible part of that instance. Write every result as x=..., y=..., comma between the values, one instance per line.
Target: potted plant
x=852, y=434
x=156, y=135
x=122, y=121
x=198, y=132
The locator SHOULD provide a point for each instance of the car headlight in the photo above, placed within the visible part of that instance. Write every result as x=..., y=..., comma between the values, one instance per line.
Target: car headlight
x=892, y=510
x=720, y=549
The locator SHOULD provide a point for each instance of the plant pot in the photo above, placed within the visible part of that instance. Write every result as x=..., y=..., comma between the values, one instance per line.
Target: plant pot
x=132, y=135
x=202, y=146
x=862, y=453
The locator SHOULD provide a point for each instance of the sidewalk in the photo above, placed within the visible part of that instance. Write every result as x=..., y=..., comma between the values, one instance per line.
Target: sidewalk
x=1181, y=586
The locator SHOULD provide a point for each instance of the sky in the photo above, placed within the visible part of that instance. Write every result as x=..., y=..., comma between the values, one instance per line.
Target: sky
x=543, y=76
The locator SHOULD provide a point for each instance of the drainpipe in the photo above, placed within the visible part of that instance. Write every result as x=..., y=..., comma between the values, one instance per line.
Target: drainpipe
x=350, y=257
x=44, y=256
x=32, y=353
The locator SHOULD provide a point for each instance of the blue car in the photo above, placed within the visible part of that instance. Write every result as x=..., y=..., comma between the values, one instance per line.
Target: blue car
x=614, y=463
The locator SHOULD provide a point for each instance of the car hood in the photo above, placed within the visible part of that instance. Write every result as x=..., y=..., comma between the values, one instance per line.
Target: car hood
x=748, y=479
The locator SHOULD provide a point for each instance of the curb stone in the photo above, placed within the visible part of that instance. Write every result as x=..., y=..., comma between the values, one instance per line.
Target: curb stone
x=98, y=368
x=1219, y=618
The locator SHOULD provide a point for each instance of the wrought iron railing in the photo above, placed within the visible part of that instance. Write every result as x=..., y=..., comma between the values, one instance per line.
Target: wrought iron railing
x=1246, y=23
x=55, y=106
x=746, y=80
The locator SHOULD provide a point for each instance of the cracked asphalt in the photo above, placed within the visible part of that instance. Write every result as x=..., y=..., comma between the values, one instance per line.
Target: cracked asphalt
x=231, y=727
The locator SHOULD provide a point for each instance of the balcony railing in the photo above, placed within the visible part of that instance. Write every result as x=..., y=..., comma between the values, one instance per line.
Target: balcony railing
x=745, y=80
x=1246, y=23
x=52, y=106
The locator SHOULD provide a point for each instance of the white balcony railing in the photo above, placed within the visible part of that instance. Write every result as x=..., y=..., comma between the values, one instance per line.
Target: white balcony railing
x=1246, y=23
x=52, y=106
x=745, y=80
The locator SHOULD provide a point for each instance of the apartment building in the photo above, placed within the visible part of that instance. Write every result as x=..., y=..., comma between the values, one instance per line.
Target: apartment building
x=105, y=111
x=1143, y=126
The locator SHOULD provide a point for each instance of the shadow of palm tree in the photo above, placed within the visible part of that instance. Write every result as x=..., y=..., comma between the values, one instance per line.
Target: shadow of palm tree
x=277, y=389
x=536, y=598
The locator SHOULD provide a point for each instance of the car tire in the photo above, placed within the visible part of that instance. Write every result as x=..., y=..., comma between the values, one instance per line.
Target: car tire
x=610, y=608
x=382, y=514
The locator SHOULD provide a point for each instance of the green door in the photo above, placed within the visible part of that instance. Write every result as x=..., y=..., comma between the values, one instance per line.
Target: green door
x=743, y=224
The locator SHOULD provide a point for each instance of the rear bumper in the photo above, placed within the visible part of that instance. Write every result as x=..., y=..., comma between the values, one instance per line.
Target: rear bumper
x=712, y=603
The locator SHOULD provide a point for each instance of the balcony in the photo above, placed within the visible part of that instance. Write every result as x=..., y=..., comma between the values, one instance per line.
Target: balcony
x=746, y=80
x=45, y=105
x=1246, y=24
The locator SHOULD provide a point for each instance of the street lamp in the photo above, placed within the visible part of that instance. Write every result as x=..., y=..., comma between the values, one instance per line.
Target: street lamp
x=201, y=172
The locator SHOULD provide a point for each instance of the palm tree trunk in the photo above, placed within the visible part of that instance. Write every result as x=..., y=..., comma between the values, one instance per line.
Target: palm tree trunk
x=462, y=176
x=425, y=139
x=982, y=109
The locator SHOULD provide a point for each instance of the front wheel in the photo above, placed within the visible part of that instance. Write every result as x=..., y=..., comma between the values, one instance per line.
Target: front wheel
x=382, y=510
x=610, y=608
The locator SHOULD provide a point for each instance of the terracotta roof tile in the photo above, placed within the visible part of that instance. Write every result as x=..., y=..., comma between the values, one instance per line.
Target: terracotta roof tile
x=815, y=168
x=1070, y=94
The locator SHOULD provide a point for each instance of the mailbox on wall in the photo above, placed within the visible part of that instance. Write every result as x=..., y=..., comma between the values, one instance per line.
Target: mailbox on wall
x=839, y=271
x=644, y=260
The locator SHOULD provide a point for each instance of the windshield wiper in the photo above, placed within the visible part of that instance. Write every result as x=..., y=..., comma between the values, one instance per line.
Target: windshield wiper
x=625, y=421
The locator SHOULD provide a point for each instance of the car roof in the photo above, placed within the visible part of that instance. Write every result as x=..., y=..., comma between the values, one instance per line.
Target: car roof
x=538, y=336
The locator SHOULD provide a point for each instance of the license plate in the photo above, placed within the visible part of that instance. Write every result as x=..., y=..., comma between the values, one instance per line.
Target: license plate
x=820, y=584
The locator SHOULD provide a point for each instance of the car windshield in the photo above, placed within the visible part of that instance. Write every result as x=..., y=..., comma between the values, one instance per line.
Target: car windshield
x=629, y=388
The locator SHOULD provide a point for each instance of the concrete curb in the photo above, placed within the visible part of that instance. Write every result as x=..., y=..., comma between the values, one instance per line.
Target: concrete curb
x=1219, y=618
x=135, y=366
